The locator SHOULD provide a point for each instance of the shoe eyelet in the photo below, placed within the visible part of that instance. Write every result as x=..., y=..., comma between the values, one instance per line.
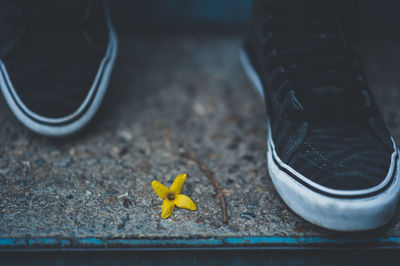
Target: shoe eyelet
x=359, y=78
x=286, y=115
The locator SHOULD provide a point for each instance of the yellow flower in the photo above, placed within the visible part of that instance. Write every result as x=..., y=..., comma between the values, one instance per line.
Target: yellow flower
x=172, y=196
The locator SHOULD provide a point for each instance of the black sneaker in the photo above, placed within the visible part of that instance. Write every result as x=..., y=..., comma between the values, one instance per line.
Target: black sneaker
x=56, y=61
x=330, y=156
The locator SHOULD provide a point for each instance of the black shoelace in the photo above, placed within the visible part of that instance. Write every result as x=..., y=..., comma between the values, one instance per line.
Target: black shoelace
x=316, y=55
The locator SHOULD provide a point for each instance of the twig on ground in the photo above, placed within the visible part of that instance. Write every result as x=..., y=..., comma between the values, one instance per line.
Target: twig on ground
x=212, y=179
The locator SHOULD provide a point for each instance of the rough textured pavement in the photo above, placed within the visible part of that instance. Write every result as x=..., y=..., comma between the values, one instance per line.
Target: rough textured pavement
x=167, y=93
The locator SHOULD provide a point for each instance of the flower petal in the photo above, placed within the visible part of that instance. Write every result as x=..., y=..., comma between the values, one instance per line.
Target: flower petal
x=185, y=202
x=177, y=186
x=167, y=208
x=161, y=190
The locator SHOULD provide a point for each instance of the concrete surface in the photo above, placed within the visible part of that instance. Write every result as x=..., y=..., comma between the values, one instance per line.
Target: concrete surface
x=167, y=92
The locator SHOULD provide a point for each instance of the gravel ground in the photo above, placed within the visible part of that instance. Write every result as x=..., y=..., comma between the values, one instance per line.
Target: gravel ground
x=167, y=93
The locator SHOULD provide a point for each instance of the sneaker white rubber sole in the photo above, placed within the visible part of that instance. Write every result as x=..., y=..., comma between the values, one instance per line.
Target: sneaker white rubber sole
x=341, y=210
x=63, y=126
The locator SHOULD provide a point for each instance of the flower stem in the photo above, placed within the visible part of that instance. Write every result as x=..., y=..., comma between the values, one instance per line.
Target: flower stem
x=212, y=179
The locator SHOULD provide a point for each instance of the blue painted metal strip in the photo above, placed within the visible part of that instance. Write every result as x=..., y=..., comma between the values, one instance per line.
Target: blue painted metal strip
x=254, y=240
x=5, y=242
x=216, y=242
x=90, y=242
x=47, y=242
x=166, y=242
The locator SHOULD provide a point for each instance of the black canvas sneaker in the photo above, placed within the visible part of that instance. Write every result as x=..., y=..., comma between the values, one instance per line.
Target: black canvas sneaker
x=330, y=156
x=56, y=61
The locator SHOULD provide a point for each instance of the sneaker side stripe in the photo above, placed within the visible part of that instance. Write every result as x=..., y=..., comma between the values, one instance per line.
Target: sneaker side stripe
x=367, y=193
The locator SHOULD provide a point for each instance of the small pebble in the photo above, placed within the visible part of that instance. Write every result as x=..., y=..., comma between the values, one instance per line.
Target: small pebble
x=123, y=151
x=126, y=135
x=123, y=195
x=126, y=203
x=107, y=160
x=229, y=181
x=63, y=162
x=199, y=108
x=248, y=158
x=233, y=169
x=40, y=162
x=92, y=162
x=111, y=191
x=252, y=206
x=232, y=147
x=4, y=171
x=123, y=222
x=248, y=215
x=121, y=226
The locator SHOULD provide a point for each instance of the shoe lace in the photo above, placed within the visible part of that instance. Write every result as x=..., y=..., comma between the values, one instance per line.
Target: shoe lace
x=316, y=55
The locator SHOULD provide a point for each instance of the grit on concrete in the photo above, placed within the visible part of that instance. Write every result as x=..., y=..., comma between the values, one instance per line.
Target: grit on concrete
x=166, y=93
